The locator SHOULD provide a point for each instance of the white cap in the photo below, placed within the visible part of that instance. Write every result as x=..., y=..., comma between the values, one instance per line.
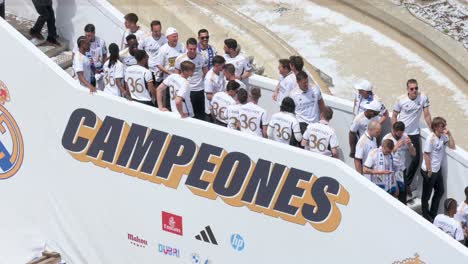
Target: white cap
x=170, y=31
x=374, y=106
x=364, y=85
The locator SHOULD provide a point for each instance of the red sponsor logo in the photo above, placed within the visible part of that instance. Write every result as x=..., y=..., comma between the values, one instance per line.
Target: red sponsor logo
x=136, y=241
x=172, y=223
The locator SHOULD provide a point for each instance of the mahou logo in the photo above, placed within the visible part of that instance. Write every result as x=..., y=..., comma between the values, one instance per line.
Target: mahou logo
x=136, y=241
x=172, y=223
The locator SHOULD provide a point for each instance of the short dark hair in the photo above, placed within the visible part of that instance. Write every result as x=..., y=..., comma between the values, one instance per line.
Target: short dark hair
x=466, y=192
x=80, y=40
x=388, y=143
x=140, y=55
x=328, y=113
x=285, y=63
x=230, y=68
x=297, y=62
x=191, y=41
x=288, y=105
x=399, y=126
x=218, y=60
x=448, y=204
x=130, y=37
x=242, y=96
x=255, y=93
x=232, y=86
x=155, y=23
x=89, y=28
x=231, y=43
x=301, y=76
x=411, y=81
x=202, y=31
x=131, y=17
x=438, y=121
x=187, y=66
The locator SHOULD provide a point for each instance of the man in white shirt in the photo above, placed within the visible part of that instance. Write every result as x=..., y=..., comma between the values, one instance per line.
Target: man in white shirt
x=179, y=90
x=283, y=126
x=253, y=118
x=139, y=80
x=403, y=145
x=366, y=143
x=321, y=137
x=360, y=123
x=214, y=83
x=127, y=56
x=286, y=83
x=380, y=166
x=206, y=50
x=230, y=75
x=408, y=109
x=151, y=43
x=132, y=28
x=434, y=153
x=462, y=213
x=221, y=101
x=233, y=110
x=82, y=64
x=114, y=74
x=241, y=62
x=448, y=224
x=365, y=96
x=196, y=81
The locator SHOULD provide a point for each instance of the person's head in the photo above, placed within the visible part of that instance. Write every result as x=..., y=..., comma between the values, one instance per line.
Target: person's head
x=288, y=105
x=132, y=43
x=229, y=71
x=218, y=63
x=90, y=32
x=191, y=48
x=113, y=54
x=230, y=46
x=232, y=87
x=172, y=36
x=327, y=114
x=283, y=67
x=412, y=88
x=296, y=63
x=438, y=125
x=364, y=88
x=83, y=43
x=255, y=94
x=131, y=20
x=387, y=146
x=373, y=109
x=242, y=96
x=302, y=80
x=450, y=207
x=466, y=193
x=187, y=68
x=203, y=37
x=398, y=129
x=141, y=57
x=156, y=28
x=374, y=129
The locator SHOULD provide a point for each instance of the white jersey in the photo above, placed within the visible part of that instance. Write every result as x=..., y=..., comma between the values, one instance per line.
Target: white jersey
x=97, y=51
x=462, y=213
x=127, y=59
x=197, y=79
x=137, y=79
x=214, y=83
x=208, y=54
x=450, y=226
x=321, y=137
x=435, y=146
x=286, y=85
x=179, y=87
x=363, y=147
x=360, y=123
x=139, y=34
x=361, y=102
x=410, y=111
x=81, y=63
x=221, y=101
x=112, y=76
x=241, y=63
x=252, y=118
x=307, y=104
x=399, y=157
x=152, y=46
x=283, y=126
x=233, y=115
x=167, y=56
x=377, y=160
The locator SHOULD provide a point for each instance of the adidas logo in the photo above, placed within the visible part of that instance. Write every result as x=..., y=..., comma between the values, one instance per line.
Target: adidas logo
x=207, y=236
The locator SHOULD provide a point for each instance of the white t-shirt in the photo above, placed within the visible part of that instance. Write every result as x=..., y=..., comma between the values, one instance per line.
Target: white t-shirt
x=233, y=115
x=377, y=160
x=321, y=137
x=221, y=101
x=286, y=85
x=214, y=83
x=283, y=126
x=81, y=63
x=205, y=53
x=462, y=213
x=179, y=87
x=399, y=157
x=360, y=103
x=167, y=56
x=364, y=145
x=307, y=104
x=152, y=46
x=197, y=79
x=127, y=58
x=252, y=119
x=450, y=226
x=241, y=63
x=435, y=146
x=139, y=34
x=111, y=75
x=410, y=111
x=136, y=78
x=97, y=51
x=360, y=123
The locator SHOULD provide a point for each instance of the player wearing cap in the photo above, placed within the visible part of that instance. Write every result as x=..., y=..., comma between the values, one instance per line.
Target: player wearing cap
x=380, y=166
x=114, y=74
x=240, y=62
x=221, y=101
x=151, y=43
x=431, y=167
x=284, y=125
x=196, y=81
x=230, y=74
x=365, y=96
x=321, y=137
x=233, y=110
x=179, y=87
x=206, y=50
x=253, y=118
x=82, y=64
x=360, y=123
x=214, y=83
x=403, y=145
x=132, y=28
x=127, y=56
x=139, y=80
x=366, y=143
x=408, y=109
x=447, y=223
x=286, y=83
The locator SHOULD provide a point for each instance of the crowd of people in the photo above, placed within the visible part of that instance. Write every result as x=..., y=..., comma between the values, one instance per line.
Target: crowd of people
x=193, y=80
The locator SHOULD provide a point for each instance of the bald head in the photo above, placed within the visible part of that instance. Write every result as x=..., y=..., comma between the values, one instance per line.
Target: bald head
x=374, y=129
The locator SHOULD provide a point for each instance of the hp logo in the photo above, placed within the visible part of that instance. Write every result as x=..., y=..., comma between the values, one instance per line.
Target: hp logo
x=237, y=242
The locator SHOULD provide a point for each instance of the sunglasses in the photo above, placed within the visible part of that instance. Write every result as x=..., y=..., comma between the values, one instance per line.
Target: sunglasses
x=413, y=88
x=205, y=37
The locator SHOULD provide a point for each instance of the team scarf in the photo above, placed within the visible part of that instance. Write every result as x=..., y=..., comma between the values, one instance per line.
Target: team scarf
x=387, y=179
x=210, y=55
